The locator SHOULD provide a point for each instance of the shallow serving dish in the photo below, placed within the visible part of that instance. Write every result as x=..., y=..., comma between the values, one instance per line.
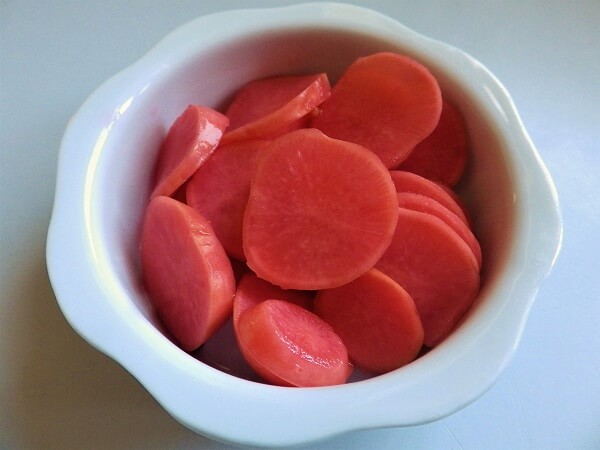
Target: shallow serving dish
x=103, y=184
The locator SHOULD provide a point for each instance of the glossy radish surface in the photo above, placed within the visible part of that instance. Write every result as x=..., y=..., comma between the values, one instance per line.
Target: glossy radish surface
x=191, y=139
x=290, y=346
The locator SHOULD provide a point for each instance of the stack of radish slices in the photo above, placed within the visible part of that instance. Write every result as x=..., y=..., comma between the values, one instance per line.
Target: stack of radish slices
x=334, y=205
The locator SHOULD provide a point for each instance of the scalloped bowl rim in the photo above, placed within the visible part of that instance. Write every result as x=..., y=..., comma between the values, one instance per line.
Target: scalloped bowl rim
x=231, y=409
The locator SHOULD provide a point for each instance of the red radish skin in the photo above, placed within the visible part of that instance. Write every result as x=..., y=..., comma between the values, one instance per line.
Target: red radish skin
x=418, y=202
x=436, y=267
x=268, y=108
x=288, y=345
x=186, y=272
x=252, y=290
x=220, y=188
x=321, y=212
x=385, y=102
x=411, y=182
x=441, y=156
x=189, y=142
x=376, y=319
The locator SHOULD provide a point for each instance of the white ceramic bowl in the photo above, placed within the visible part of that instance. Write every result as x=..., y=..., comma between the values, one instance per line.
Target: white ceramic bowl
x=103, y=185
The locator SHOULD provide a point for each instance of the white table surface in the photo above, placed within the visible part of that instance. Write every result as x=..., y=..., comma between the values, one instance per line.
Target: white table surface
x=57, y=392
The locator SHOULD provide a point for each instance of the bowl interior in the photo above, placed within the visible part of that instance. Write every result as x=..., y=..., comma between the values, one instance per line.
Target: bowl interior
x=124, y=161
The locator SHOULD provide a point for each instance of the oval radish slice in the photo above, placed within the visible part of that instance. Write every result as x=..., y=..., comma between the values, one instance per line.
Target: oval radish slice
x=386, y=102
x=220, y=188
x=321, y=212
x=186, y=272
x=376, y=319
x=411, y=182
x=190, y=141
x=418, y=202
x=441, y=156
x=252, y=290
x=290, y=346
x=436, y=267
x=268, y=108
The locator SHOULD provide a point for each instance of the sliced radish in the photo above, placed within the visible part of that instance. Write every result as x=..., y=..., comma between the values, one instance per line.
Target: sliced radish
x=290, y=346
x=422, y=203
x=190, y=141
x=436, y=267
x=252, y=290
x=220, y=187
x=441, y=156
x=376, y=319
x=411, y=182
x=268, y=108
x=386, y=102
x=321, y=212
x=186, y=271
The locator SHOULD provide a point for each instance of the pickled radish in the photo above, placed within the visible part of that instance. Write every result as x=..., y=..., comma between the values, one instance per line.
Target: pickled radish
x=190, y=141
x=436, y=267
x=314, y=227
x=411, y=182
x=376, y=319
x=252, y=290
x=186, y=272
x=268, y=108
x=290, y=346
x=385, y=102
x=422, y=203
x=220, y=188
x=441, y=156
x=321, y=212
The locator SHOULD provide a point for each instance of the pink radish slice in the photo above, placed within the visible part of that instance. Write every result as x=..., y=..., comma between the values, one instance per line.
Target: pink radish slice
x=411, y=182
x=436, y=267
x=186, y=272
x=376, y=319
x=190, y=141
x=220, y=187
x=385, y=102
x=268, y=108
x=441, y=156
x=252, y=290
x=290, y=346
x=321, y=212
x=418, y=202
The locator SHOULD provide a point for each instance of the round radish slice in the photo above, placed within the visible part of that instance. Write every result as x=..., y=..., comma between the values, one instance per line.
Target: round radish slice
x=376, y=319
x=441, y=156
x=186, y=272
x=411, y=182
x=321, y=212
x=385, y=102
x=290, y=346
x=268, y=108
x=436, y=267
x=220, y=187
x=418, y=202
x=190, y=141
x=252, y=290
